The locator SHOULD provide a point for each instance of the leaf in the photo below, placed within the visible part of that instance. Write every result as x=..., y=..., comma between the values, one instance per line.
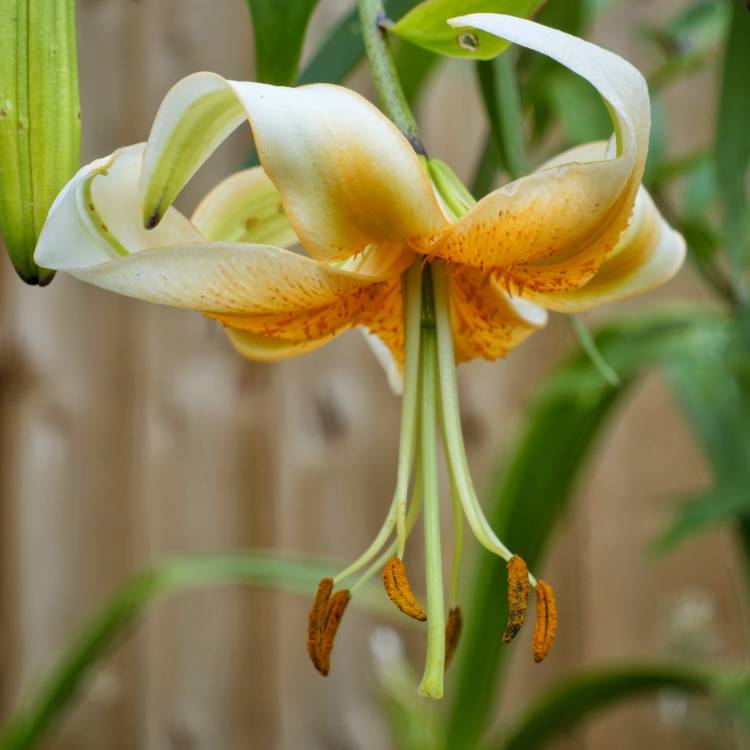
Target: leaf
x=343, y=49
x=561, y=425
x=415, y=66
x=30, y=723
x=279, y=32
x=709, y=384
x=717, y=505
x=485, y=168
x=576, y=699
x=732, y=147
x=499, y=89
x=427, y=26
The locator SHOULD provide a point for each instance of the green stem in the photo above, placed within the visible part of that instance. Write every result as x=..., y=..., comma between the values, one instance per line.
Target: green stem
x=432, y=680
x=384, y=74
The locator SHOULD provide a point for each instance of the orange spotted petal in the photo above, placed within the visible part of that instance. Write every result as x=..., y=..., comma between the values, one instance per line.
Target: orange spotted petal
x=552, y=229
x=648, y=254
x=488, y=321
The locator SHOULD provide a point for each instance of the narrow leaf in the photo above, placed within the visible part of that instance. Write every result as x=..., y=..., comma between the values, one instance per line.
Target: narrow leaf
x=279, y=31
x=577, y=699
x=31, y=723
x=525, y=505
x=502, y=103
x=733, y=135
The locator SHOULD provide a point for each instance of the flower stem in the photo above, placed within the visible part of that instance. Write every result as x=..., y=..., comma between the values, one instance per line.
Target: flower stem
x=432, y=680
x=384, y=74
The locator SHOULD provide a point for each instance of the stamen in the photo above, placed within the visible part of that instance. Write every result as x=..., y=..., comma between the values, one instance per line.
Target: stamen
x=399, y=591
x=452, y=634
x=316, y=619
x=518, y=597
x=546, y=621
x=336, y=608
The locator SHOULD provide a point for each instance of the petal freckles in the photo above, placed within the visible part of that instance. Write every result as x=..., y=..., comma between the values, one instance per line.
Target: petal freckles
x=648, y=254
x=487, y=321
x=552, y=229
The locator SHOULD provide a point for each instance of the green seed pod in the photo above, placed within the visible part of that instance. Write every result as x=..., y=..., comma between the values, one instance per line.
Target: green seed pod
x=39, y=121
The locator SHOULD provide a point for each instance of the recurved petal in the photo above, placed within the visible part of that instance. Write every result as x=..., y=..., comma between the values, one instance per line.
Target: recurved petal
x=346, y=175
x=552, y=229
x=95, y=217
x=648, y=254
x=93, y=233
x=245, y=207
x=488, y=321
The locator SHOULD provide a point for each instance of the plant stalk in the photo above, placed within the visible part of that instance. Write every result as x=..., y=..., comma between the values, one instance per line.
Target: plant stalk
x=384, y=74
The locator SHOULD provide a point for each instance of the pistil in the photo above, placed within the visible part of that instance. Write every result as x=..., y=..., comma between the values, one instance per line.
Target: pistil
x=432, y=679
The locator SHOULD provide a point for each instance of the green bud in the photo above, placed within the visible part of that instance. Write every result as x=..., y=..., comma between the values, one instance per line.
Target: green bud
x=39, y=121
x=453, y=192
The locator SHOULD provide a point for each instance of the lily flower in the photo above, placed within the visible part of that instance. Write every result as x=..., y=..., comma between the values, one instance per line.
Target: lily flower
x=392, y=243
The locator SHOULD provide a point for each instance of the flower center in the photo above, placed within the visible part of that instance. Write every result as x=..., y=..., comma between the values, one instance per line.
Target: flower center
x=430, y=400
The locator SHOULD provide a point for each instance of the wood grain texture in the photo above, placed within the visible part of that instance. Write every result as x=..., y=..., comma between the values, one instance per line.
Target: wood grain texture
x=129, y=432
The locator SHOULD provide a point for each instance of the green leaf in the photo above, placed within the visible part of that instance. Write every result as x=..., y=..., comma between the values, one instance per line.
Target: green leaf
x=718, y=505
x=427, y=26
x=343, y=49
x=574, y=700
x=279, y=31
x=710, y=385
x=29, y=724
x=732, y=145
x=415, y=66
x=525, y=505
x=486, y=168
x=502, y=102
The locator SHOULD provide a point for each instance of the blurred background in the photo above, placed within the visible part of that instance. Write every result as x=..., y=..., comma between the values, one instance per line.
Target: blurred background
x=131, y=432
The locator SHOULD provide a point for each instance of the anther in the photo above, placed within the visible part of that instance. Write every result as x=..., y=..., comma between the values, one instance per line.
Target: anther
x=452, y=634
x=546, y=621
x=336, y=607
x=399, y=591
x=518, y=597
x=316, y=620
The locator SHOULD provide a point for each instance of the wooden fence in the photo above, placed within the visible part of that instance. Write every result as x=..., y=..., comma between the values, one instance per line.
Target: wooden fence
x=130, y=432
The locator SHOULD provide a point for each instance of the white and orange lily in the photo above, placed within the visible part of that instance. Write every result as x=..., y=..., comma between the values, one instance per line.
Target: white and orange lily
x=339, y=179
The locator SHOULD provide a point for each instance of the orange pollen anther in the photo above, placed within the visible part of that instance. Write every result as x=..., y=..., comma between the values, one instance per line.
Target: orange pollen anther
x=336, y=608
x=399, y=591
x=316, y=619
x=452, y=634
x=546, y=621
x=518, y=596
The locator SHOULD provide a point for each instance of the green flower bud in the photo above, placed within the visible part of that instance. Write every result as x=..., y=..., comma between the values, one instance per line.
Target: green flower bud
x=39, y=121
